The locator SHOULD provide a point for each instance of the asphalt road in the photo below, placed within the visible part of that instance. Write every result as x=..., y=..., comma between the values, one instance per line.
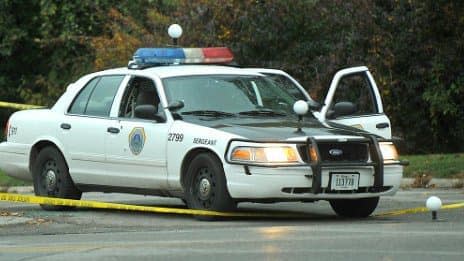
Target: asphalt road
x=88, y=234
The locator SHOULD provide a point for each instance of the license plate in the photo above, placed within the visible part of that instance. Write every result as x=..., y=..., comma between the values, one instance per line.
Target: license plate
x=344, y=181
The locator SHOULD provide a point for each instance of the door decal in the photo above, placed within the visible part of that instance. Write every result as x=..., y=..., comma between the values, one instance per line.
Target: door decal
x=137, y=139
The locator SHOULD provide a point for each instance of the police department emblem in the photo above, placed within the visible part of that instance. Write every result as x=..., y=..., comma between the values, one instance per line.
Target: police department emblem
x=137, y=140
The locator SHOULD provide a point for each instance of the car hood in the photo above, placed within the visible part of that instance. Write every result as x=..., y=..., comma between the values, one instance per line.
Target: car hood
x=275, y=128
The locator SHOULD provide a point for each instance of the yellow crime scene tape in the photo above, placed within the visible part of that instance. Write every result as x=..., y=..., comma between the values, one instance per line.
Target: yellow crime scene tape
x=419, y=210
x=19, y=106
x=117, y=206
x=195, y=212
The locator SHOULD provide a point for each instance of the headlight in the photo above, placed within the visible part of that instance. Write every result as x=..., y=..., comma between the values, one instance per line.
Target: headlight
x=280, y=154
x=389, y=151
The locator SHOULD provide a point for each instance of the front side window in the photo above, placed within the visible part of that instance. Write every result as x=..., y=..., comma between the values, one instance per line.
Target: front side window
x=97, y=96
x=356, y=88
x=140, y=91
x=233, y=94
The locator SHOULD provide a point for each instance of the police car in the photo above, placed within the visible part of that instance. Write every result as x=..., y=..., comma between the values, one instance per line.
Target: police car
x=176, y=123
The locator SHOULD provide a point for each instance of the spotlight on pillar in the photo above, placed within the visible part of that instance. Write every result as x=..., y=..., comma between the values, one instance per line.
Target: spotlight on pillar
x=300, y=108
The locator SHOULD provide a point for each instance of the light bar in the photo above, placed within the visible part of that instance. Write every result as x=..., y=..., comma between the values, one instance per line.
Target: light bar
x=144, y=57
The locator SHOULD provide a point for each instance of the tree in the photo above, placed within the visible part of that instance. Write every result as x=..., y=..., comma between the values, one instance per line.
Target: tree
x=414, y=48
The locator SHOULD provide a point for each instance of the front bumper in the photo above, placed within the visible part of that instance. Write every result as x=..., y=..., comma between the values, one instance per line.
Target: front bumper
x=287, y=184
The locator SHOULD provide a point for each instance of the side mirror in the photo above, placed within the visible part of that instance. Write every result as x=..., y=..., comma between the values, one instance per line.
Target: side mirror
x=147, y=112
x=175, y=106
x=342, y=109
x=314, y=105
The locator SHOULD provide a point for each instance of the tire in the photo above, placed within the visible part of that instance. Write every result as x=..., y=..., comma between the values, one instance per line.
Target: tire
x=51, y=178
x=206, y=187
x=354, y=208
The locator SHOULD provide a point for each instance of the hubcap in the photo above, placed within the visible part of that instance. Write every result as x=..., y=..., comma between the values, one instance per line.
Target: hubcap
x=50, y=180
x=204, y=188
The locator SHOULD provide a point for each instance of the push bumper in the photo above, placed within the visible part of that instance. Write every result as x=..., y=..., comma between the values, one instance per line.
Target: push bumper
x=312, y=182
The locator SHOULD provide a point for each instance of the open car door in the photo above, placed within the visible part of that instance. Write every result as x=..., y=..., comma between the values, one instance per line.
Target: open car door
x=353, y=99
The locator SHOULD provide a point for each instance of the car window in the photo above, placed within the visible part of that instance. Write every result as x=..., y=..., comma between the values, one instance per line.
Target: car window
x=80, y=103
x=274, y=96
x=286, y=84
x=210, y=93
x=228, y=93
x=355, y=88
x=97, y=97
x=139, y=91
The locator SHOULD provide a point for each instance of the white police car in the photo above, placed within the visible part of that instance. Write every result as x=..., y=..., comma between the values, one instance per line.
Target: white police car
x=212, y=135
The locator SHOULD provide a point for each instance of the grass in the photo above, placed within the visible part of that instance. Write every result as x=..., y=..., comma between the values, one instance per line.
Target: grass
x=435, y=165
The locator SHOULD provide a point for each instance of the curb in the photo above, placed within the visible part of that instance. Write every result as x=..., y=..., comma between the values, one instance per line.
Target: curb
x=432, y=183
x=18, y=189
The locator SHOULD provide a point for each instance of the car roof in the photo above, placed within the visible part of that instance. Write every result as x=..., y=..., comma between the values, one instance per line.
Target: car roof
x=156, y=72
x=180, y=70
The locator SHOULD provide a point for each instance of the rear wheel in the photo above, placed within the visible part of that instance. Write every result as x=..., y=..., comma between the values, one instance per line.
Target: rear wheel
x=206, y=187
x=354, y=208
x=52, y=179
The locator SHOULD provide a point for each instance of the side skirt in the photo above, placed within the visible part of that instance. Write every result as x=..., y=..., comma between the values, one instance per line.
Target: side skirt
x=129, y=190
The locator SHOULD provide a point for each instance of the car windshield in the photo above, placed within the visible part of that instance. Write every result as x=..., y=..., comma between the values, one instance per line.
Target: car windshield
x=228, y=95
x=285, y=83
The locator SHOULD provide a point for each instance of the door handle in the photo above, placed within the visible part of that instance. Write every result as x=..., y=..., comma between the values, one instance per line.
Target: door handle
x=65, y=126
x=382, y=125
x=113, y=130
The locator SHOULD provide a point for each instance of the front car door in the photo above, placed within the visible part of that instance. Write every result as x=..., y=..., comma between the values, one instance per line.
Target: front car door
x=136, y=144
x=356, y=86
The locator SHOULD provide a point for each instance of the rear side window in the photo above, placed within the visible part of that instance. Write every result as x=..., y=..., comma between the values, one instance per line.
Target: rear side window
x=80, y=103
x=97, y=96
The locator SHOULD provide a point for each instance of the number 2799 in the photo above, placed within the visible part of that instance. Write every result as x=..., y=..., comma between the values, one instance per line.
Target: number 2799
x=177, y=137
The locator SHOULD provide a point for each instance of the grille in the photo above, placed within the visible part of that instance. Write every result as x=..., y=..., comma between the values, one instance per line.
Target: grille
x=339, y=152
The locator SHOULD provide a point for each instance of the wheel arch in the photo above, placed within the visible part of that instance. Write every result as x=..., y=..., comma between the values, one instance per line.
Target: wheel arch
x=40, y=145
x=189, y=157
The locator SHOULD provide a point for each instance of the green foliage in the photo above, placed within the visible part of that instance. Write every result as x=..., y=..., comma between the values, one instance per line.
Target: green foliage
x=423, y=72
x=415, y=49
x=436, y=165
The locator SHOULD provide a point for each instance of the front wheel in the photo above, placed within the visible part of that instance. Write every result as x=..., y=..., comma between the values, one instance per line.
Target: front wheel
x=52, y=179
x=354, y=208
x=206, y=186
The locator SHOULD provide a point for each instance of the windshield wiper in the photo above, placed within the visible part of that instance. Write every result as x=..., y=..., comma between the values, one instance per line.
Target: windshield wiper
x=264, y=112
x=208, y=113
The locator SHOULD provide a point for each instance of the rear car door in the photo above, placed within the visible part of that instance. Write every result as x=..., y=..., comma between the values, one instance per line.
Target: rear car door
x=84, y=127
